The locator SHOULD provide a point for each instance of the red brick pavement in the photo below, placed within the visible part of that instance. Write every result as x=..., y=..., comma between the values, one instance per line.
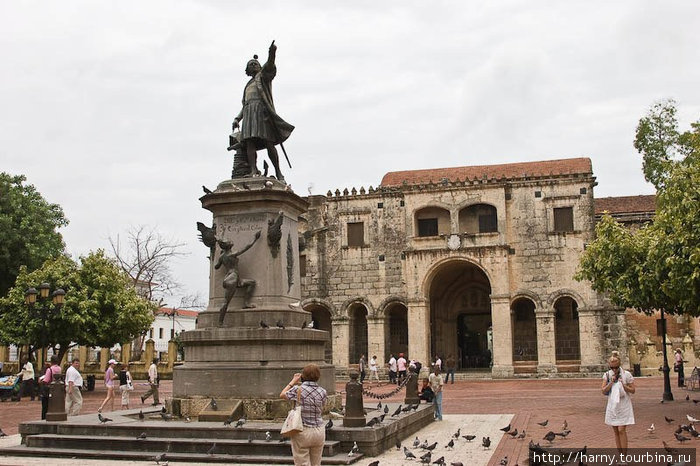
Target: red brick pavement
x=578, y=401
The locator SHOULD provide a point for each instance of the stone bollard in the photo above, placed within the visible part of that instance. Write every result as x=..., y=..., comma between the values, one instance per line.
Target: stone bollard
x=354, y=407
x=412, y=389
x=57, y=400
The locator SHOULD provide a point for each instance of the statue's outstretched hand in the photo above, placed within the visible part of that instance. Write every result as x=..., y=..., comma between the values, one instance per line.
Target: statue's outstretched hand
x=273, y=47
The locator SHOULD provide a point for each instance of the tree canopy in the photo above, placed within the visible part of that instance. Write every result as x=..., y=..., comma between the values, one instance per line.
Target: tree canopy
x=657, y=267
x=28, y=229
x=101, y=306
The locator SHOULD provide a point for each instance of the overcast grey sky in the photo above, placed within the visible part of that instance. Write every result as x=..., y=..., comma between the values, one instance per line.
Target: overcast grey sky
x=120, y=111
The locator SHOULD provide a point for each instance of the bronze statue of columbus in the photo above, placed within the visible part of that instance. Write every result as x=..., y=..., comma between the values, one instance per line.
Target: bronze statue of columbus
x=261, y=126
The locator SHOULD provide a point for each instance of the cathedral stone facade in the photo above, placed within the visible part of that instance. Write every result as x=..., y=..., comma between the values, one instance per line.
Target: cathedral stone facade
x=473, y=262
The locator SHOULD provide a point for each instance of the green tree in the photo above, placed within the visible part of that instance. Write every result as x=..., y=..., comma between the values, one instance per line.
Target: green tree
x=28, y=225
x=101, y=306
x=657, y=267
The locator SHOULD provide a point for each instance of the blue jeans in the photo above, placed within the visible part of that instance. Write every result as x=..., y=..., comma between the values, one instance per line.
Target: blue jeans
x=447, y=377
x=438, y=405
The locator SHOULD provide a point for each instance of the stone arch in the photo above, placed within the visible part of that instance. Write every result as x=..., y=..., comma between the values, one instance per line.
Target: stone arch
x=528, y=294
x=345, y=307
x=567, y=331
x=479, y=217
x=388, y=302
x=435, y=267
x=322, y=316
x=565, y=292
x=395, y=312
x=432, y=220
x=524, y=325
x=322, y=303
x=357, y=311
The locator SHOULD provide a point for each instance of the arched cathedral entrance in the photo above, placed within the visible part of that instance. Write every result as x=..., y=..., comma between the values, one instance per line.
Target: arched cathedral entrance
x=460, y=315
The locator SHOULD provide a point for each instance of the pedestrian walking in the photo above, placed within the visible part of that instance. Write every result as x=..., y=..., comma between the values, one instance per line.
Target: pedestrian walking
x=678, y=367
x=153, y=381
x=363, y=368
x=126, y=385
x=618, y=385
x=307, y=445
x=392, y=368
x=438, y=362
x=436, y=383
x=74, y=385
x=110, y=376
x=27, y=373
x=45, y=380
x=451, y=366
x=401, y=365
x=373, y=370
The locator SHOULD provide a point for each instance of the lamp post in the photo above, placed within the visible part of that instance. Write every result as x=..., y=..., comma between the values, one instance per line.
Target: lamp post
x=57, y=393
x=667, y=396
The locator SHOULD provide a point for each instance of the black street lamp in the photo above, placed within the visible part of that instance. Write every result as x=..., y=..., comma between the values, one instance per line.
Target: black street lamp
x=667, y=395
x=57, y=393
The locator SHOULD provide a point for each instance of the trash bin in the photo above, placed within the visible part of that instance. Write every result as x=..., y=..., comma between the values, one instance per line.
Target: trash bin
x=637, y=370
x=90, y=383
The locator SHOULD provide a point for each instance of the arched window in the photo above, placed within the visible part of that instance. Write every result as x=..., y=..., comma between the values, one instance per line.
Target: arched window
x=478, y=218
x=432, y=221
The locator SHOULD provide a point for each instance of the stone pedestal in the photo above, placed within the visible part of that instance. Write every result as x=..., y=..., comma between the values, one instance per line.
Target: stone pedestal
x=239, y=359
x=57, y=400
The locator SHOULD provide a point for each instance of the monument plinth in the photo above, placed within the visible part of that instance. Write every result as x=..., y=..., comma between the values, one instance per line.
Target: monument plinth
x=250, y=346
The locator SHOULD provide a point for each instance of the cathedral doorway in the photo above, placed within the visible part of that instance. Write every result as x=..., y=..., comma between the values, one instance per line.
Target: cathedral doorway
x=321, y=318
x=396, y=330
x=524, y=331
x=358, y=332
x=460, y=315
x=566, y=330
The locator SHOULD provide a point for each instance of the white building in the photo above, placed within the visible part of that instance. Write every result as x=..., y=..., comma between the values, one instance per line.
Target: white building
x=168, y=323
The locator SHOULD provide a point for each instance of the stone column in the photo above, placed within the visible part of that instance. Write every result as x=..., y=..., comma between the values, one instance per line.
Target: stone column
x=104, y=357
x=126, y=353
x=591, y=339
x=4, y=353
x=418, y=330
x=172, y=354
x=688, y=355
x=341, y=342
x=83, y=352
x=150, y=351
x=376, y=326
x=546, y=356
x=502, y=336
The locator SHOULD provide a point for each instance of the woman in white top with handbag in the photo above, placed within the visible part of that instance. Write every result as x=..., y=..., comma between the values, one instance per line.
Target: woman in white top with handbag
x=618, y=385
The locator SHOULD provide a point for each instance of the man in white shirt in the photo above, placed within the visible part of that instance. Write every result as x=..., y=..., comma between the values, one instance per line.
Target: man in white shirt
x=392, y=369
x=74, y=384
x=27, y=374
x=153, y=381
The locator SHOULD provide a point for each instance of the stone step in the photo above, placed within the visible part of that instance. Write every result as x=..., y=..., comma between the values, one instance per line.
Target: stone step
x=225, y=408
x=153, y=445
x=23, y=450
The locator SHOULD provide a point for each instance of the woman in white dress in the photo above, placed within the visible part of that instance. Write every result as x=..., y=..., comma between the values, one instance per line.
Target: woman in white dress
x=618, y=385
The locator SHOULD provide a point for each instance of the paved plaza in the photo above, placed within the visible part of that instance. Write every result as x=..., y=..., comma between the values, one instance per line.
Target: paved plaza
x=478, y=407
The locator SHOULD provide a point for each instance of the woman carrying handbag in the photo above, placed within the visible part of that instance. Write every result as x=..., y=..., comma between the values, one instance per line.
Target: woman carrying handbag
x=307, y=445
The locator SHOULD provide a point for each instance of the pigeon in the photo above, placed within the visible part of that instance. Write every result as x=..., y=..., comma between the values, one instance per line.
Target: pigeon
x=456, y=434
x=372, y=422
x=651, y=429
x=565, y=425
x=166, y=416
x=228, y=420
x=214, y=405
x=521, y=435
x=563, y=433
x=374, y=463
x=240, y=422
x=506, y=428
x=696, y=401
x=245, y=186
x=102, y=418
x=486, y=442
x=397, y=412
x=406, y=409
x=381, y=418
x=211, y=450
x=2, y=434
x=544, y=423
x=668, y=419
x=468, y=438
x=280, y=324
x=694, y=433
x=163, y=410
x=451, y=444
x=669, y=449
x=187, y=419
x=398, y=444
x=513, y=434
x=303, y=325
x=379, y=405
x=440, y=461
x=681, y=438
x=415, y=406
x=679, y=430
x=268, y=436
x=425, y=459
x=311, y=324
x=141, y=416
x=142, y=436
x=549, y=436
x=329, y=425
x=355, y=449
x=504, y=461
x=691, y=418
x=416, y=443
x=206, y=190
x=386, y=409
x=687, y=398
x=431, y=447
x=160, y=458
x=408, y=453
x=457, y=463
x=263, y=324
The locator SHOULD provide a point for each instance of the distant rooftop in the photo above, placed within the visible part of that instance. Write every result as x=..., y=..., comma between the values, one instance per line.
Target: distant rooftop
x=180, y=312
x=626, y=204
x=507, y=171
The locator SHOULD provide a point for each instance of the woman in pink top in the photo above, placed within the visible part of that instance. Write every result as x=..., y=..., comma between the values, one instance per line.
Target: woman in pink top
x=110, y=376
